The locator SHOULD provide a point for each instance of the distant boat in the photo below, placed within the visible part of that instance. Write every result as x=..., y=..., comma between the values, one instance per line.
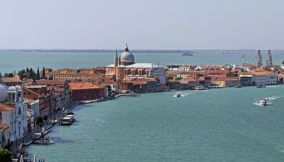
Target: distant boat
x=178, y=95
x=200, y=87
x=68, y=119
x=187, y=54
x=262, y=102
x=44, y=141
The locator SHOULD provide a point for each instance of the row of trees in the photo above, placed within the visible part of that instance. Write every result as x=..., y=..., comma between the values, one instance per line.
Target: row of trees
x=28, y=73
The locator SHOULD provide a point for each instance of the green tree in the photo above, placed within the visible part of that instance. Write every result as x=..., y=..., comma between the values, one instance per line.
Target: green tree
x=5, y=155
x=43, y=73
x=8, y=75
x=178, y=78
x=37, y=74
x=22, y=74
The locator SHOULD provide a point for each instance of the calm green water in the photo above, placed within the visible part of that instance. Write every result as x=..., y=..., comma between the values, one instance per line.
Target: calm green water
x=217, y=125
x=11, y=60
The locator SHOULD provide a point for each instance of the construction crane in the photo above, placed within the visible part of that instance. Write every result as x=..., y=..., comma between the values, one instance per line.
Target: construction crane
x=259, y=62
x=244, y=59
x=270, y=63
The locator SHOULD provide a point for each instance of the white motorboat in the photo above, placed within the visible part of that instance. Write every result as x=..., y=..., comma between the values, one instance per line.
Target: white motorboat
x=178, y=95
x=68, y=119
x=200, y=87
x=262, y=102
x=44, y=141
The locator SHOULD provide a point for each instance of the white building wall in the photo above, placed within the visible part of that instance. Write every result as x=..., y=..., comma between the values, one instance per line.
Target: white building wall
x=160, y=73
x=265, y=79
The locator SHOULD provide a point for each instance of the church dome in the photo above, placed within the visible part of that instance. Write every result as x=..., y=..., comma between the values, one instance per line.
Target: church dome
x=3, y=92
x=127, y=57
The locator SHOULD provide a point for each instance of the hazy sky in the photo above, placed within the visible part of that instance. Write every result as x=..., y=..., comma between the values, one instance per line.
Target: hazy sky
x=144, y=24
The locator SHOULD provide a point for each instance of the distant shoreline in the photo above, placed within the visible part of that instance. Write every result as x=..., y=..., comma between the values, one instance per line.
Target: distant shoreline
x=209, y=51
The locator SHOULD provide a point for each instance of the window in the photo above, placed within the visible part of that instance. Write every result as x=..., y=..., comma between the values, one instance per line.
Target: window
x=19, y=111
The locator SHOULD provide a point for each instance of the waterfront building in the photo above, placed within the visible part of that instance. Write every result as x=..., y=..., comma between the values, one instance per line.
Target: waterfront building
x=126, y=70
x=11, y=81
x=82, y=91
x=140, y=84
x=61, y=95
x=221, y=82
x=261, y=77
x=232, y=82
x=84, y=74
x=246, y=79
x=218, y=82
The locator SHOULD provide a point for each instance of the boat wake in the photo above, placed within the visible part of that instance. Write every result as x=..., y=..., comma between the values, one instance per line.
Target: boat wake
x=261, y=105
x=182, y=94
x=274, y=97
x=268, y=99
x=272, y=86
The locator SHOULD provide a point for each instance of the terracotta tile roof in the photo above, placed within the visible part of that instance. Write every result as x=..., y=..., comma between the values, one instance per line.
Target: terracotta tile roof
x=4, y=126
x=248, y=65
x=191, y=79
x=84, y=85
x=218, y=78
x=50, y=82
x=261, y=72
x=31, y=91
x=4, y=107
x=11, y=80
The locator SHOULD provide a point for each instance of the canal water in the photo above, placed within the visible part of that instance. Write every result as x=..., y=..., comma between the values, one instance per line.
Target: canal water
x=203, y=126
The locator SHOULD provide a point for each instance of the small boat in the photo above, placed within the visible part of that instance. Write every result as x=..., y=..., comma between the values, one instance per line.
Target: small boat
x=187, y=54
x=262, y=102
x=178, y=95
x=44, y=141
x=200, y=87
x=68, y=119
x=238, y=86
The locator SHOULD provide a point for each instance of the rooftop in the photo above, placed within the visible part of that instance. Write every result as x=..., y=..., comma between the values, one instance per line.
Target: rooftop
x=11, y=80
x=84, y=86
x=4, y=107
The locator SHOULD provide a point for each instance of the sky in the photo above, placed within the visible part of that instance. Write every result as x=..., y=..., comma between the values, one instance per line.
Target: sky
x=143, y=24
